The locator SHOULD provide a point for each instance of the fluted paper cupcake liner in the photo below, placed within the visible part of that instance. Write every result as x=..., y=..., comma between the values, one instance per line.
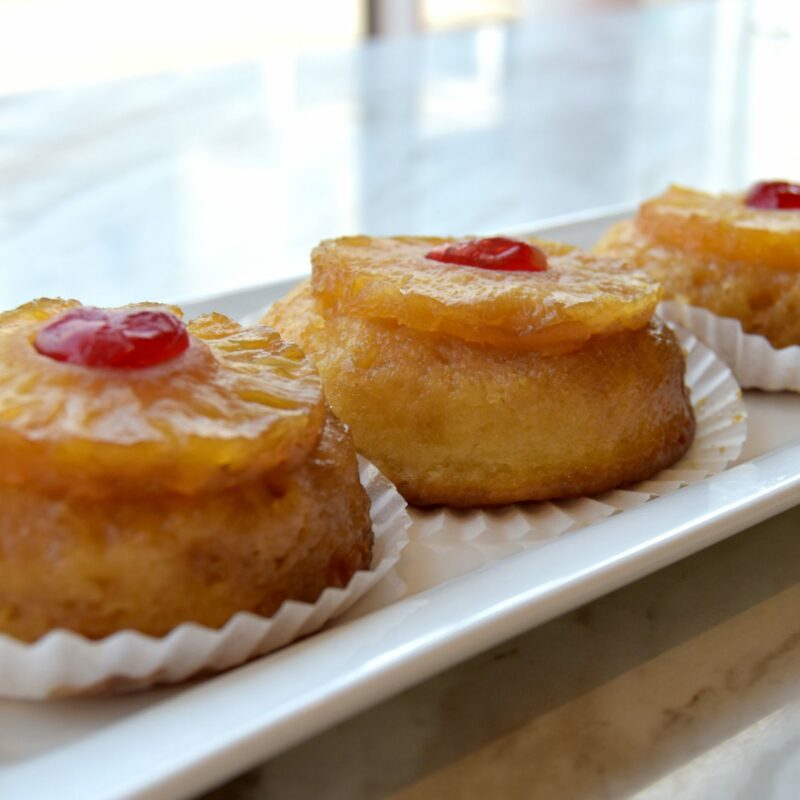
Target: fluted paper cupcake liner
x=63, y=663
x=447, y=542
x=752, y=359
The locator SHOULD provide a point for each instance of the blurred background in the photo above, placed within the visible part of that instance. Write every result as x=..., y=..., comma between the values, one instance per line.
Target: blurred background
x=49, y=43
x=174, y=149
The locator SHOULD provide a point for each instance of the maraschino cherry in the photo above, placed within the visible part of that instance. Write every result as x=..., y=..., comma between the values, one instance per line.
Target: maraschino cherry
x=496, y=253
x=775, y=195
x=124, y=338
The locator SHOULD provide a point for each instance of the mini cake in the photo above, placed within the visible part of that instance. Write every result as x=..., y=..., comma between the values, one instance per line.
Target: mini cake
x=154, y=473
x=736, y=255
x=491, y=371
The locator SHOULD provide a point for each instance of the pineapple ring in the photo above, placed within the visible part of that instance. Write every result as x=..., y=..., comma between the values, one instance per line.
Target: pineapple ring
x=722, y=227
x=578, y=296
x=237, y=403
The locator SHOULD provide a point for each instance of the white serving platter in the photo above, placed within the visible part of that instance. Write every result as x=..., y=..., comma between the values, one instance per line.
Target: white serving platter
x=176, y=742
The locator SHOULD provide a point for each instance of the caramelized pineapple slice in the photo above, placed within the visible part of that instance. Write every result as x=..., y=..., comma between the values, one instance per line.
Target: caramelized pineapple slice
x=579, y=295
x=238, y=402
x=722, y=227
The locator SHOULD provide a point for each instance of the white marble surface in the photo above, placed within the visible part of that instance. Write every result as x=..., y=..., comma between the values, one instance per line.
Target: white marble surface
x=182, y=185
x=683, y=684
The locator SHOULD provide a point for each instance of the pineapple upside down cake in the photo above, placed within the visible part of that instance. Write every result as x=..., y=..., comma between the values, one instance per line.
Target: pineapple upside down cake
x=154, y=473
x=489, y=371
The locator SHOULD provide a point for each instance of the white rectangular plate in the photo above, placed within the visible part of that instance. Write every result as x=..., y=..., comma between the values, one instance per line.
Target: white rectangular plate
x=176, y=742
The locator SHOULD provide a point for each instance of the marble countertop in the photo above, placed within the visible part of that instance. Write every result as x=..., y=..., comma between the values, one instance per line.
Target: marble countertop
x=182, y=185
x=683, y=684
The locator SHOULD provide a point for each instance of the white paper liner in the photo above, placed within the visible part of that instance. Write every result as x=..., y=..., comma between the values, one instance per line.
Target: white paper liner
x=62, y=663
x=752, y=359
x=446, y=543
